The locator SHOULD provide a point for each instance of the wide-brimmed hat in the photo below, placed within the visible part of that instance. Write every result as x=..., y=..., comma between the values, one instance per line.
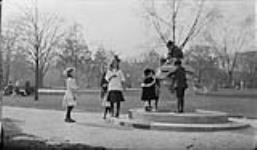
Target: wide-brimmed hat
x=69, y=69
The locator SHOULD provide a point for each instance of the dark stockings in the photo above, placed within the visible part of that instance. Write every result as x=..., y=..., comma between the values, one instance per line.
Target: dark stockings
x=180, y=104
x=106, y=111
x=68, y=114
x=117, y=109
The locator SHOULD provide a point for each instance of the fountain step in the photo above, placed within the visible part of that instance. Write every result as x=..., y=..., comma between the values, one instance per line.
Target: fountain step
x=196, y=117
x=139, y=124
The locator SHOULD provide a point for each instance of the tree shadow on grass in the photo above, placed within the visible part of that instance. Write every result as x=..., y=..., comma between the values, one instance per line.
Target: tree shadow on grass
x=12, y=131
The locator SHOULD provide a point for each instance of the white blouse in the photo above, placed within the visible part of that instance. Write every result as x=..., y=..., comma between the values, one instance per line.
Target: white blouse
x=115, y=79
x=69, y=98
x=71, y=84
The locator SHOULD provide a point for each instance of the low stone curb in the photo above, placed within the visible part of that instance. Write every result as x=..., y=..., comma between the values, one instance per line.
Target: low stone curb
x=178, y=127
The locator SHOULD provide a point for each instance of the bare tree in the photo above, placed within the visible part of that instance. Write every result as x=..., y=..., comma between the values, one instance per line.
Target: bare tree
x=40, y=34
x=203, y=60
x=179, y=20
x=9, y=45
x=247, y=65
x=74, y=50
x=228, y=40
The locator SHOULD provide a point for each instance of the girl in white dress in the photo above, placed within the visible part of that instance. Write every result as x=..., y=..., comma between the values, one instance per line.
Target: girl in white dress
x=69, y=99
x=116, y=80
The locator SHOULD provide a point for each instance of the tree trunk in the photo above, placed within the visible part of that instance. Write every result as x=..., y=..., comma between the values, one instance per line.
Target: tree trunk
x=7, y=72
x=36, y=78
x=41, y=79
x=199, y=76
x=230, y=78
x=1, y=75
x=1, y=62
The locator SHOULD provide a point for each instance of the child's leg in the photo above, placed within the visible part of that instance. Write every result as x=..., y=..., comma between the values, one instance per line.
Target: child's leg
x=118, y=109
x=68, y=113
x=105, y=112
x=112, y=109
x=149, y=103
x=108, y=110
x=156, y=104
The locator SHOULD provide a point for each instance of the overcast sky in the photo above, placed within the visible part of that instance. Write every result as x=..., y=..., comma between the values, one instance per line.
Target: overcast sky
x=114, y=23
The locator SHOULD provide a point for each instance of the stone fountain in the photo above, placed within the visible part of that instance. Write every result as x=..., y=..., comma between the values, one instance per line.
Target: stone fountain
x=167, y=119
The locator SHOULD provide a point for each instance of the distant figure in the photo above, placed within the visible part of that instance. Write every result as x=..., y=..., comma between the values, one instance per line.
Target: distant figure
x=69, y=99
x=242, y=85
x=28, y=88
x=148, y=89
x=174, y=51
x=116, y=85
x=180, y=84
x=17, y=87
x=8, y=90
x=103, y=95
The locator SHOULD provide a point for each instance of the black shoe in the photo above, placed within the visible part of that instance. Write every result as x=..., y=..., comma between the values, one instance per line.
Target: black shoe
x=148, y=108
x=69, y=120
x=180, y=111
x=72, y=120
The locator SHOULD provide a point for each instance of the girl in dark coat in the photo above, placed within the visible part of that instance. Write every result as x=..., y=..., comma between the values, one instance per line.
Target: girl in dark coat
x=148, y=88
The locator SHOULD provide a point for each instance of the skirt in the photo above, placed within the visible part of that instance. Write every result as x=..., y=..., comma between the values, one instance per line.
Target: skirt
x=69, y=99
x=149, y=93
x=115, y=96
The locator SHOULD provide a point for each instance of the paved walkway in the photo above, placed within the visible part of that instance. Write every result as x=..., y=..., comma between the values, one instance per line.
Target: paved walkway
x=91, y=129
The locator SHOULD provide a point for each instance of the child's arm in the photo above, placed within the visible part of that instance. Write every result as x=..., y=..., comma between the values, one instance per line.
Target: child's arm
x=109, y=76
x=123, y=80
x=149, y=84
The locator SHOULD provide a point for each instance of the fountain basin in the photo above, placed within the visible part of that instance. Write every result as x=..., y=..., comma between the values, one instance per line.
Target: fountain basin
x=198, y=120
x=197, y=117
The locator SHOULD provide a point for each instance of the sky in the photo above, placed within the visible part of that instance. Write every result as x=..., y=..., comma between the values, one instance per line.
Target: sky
x=115, y=24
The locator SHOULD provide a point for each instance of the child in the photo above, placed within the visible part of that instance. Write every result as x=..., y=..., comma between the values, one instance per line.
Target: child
x=149, y=90
x=157, y=86
x=69, y=99
x=116, y=82
x=103, y=96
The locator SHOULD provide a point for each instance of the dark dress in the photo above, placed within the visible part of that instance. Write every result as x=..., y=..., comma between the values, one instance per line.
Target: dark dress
x=176, y=52
x=103, y=85
x=180, y=80
x=149, y=93
x=180, y=86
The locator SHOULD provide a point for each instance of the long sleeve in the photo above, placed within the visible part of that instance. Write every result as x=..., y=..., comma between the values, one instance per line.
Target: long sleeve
x=122, y=76
x=108, y=76
x=72, y=84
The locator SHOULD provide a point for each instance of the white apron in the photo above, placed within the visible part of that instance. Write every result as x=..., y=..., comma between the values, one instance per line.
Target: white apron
x=69, y=98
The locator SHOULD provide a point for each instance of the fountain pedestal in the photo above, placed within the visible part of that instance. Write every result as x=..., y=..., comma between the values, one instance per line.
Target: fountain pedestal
x=198, y=120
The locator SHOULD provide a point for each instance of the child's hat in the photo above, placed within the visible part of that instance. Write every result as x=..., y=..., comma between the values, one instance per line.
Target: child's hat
x=69, y=69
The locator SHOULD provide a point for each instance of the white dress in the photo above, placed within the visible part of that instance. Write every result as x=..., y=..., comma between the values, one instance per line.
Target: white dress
x=69, y=98
x=115, y=79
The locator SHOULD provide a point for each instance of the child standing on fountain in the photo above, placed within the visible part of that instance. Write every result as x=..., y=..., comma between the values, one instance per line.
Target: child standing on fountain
x=148, y=88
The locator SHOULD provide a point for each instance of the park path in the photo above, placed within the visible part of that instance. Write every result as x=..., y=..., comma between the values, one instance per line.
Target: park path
x=91, y=129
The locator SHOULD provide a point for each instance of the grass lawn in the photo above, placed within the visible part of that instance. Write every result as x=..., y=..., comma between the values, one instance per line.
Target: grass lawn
x=89, y=101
